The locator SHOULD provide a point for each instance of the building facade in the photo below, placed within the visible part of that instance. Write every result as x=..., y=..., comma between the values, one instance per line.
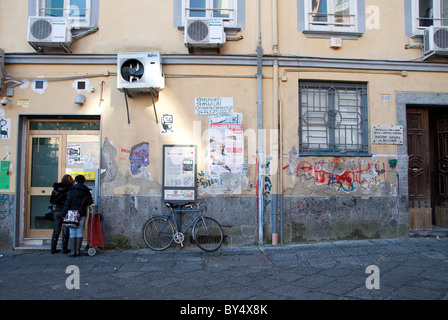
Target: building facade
x=311, y=120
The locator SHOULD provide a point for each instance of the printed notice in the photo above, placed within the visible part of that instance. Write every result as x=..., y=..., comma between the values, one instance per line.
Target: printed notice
x=387, y=134
x=213, y=106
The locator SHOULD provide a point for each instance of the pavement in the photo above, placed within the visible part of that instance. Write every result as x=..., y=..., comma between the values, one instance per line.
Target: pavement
x=383, y=269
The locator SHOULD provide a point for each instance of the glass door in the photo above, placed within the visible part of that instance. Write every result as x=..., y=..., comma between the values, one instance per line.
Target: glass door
x=56, y=148
x=44, y=170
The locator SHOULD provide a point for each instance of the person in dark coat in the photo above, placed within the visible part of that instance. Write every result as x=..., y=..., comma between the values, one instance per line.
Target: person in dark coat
x=57, y=199
x=78, y=198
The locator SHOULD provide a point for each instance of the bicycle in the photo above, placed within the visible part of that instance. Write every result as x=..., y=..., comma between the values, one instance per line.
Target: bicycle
x=160, y=231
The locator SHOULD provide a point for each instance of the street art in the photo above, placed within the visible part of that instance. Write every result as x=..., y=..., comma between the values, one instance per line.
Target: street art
x=343, y=174
x=138, y=157
x=5, y=206
x=5, y=128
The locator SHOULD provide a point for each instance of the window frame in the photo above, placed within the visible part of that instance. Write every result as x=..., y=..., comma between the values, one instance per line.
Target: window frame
x=327, y=108
x=231, y=21
x=74, y=22
x=330, y=25
x=418, y=30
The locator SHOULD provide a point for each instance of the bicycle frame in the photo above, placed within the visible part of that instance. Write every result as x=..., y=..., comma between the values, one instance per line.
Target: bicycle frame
x=191, y=224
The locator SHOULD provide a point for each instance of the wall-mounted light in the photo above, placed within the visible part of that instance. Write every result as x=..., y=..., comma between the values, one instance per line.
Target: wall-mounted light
x=80, y=99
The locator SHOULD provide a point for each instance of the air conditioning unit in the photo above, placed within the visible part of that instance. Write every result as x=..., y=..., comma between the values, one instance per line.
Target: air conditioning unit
x=435, y=41
x=140, y=72
x=2, y=69
x=204, y=33
x=46, y=32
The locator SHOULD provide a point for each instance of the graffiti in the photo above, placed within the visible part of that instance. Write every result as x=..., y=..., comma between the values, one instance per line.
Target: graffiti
x=202, y=181
x=341, y=174
x=267, y=183
x=5, y=128
x=5, y=206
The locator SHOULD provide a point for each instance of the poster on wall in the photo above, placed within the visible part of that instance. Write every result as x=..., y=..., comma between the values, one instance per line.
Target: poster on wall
x=226, y=145
x=179, y=173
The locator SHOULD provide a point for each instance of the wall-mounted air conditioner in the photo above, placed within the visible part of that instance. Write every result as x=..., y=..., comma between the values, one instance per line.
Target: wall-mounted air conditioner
x=2, y=69
x=140, y=72
x=46, y=32
x=204, y=33
x=435, y=41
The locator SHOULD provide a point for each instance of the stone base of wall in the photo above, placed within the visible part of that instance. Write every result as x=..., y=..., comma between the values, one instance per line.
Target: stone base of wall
x=342, y=218
x=7, y=222
x=305, y=219
x=124, y=217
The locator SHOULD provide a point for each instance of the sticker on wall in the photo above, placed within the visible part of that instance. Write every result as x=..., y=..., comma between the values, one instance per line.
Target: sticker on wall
x=5, y=128
x=23, y=103
x=167, y=124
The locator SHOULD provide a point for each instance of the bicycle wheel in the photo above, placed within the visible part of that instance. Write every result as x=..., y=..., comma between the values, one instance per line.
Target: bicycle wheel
x=207, y=234
x=158, y=233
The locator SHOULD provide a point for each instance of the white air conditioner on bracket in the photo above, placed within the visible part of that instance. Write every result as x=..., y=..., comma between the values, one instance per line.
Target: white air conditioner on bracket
x=204, y=33
x=140, y=72
x=44, y=32
x=435, y=41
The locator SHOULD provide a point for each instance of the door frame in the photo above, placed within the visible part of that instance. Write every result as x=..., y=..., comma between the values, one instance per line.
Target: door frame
x=404, y=100
x=23, y=135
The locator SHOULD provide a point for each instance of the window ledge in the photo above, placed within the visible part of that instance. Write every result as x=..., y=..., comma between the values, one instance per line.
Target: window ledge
x=347, y=35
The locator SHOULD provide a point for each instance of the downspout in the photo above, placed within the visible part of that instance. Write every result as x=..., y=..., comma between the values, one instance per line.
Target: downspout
x=274, y=137
x=260, y=127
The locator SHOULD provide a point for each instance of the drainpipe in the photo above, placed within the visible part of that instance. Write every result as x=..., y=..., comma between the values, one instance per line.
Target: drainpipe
x=260, y=127
x=274, y=134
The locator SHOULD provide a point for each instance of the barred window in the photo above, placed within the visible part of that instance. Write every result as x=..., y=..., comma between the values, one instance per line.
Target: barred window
x=333, y=118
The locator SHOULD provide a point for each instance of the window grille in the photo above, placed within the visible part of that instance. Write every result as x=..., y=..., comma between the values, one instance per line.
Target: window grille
x=333, y=118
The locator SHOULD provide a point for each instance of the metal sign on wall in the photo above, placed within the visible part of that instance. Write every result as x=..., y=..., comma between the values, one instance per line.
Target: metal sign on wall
x=179, y=173
x=387, y=134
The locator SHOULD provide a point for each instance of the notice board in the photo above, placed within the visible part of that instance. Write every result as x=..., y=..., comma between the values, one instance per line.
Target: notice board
x=179, y=174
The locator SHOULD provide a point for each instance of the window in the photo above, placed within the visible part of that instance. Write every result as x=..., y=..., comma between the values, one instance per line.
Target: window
x=221, y=9
x=77, y=10
x=431, y=12
x=331, y=15
x=333, y=118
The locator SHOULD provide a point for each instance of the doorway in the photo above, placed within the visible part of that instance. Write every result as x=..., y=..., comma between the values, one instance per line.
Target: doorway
x=427, y=136
x=56, y=147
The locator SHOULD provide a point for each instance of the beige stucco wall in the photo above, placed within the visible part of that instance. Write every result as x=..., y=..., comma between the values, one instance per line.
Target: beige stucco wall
x=143, y=25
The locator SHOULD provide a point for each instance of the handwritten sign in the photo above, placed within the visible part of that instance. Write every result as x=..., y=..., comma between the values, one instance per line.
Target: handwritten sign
x=213, y=106
x=387, y=134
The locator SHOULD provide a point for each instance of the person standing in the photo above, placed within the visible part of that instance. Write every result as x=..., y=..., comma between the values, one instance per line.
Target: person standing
x=78, y=198
x=57, y=199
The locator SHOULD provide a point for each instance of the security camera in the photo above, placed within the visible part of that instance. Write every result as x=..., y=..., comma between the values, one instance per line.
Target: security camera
x=4, y=101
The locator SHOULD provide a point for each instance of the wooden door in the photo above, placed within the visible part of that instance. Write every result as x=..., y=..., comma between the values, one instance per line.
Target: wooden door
x=418, y=151
x=441, y=170
x=419, y=176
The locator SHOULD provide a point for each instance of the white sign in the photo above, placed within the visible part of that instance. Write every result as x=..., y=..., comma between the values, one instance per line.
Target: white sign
x=211, y=106
x=387, y=134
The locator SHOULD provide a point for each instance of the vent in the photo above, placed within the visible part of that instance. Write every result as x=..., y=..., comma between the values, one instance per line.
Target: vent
x=44, y=32
x=204, y=33
x=435, y=41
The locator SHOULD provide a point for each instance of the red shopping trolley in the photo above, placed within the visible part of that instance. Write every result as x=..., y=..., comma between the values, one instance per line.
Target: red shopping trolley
x=94, y=233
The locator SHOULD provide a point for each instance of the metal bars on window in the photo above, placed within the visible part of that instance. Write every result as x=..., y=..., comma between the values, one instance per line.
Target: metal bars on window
x=333, y=118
